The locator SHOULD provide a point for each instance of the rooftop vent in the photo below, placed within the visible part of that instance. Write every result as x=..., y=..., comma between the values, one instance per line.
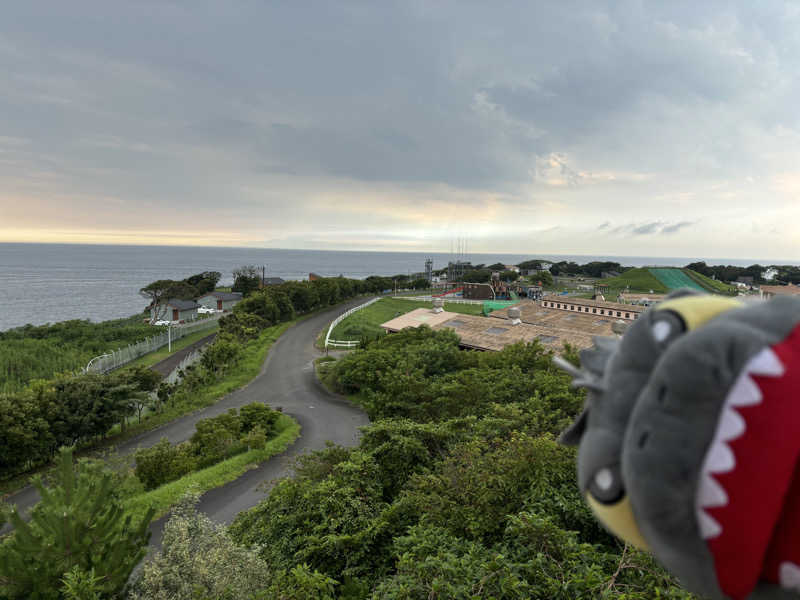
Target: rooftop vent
x=438, y=305
x=454, y=323
x=515, y=315
x=496, y=330
x=546, y=339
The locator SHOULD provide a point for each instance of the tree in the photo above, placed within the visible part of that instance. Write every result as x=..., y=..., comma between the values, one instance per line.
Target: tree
x=246, y=279
x=79, y=522
x=162, y=291
x=204, y=282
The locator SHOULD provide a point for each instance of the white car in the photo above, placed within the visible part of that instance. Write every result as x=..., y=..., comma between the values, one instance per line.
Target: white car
x=162, y=322
x=205, y=310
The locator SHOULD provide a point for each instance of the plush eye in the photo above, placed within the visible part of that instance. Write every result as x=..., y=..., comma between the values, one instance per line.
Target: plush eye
x=606, y=485
x=666, y=326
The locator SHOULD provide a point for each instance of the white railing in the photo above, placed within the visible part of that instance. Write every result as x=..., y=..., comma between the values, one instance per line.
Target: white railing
x=113, y=360
x=339, y=319
x=446, y=299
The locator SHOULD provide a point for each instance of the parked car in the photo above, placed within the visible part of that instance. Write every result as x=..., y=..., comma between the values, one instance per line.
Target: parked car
x=206, y=310
x=162, y=322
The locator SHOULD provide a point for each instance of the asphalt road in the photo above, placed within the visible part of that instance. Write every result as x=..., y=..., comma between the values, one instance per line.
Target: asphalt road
x=286, y=380
x=169, y=364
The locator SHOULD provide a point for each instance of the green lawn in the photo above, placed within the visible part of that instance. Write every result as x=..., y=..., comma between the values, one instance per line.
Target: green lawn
x=639, y=280
x=164, y=497
x=712, y=285
x=367, y=321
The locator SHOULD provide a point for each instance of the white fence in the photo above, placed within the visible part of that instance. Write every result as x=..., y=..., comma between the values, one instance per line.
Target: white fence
x=339, y=319
x=113, y=360
x=446, y=299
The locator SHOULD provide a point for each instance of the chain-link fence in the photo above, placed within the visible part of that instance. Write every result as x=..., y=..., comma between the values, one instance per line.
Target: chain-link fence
x=118, y=358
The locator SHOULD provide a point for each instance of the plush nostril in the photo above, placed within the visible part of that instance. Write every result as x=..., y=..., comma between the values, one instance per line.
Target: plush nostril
x=643, y=439
x=662, y=394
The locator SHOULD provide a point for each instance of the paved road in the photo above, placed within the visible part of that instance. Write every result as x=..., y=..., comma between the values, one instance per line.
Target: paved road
x=286, y=380
x=169, y=364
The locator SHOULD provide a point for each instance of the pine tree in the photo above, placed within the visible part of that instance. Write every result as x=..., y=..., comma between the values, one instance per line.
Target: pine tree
x=79, y=525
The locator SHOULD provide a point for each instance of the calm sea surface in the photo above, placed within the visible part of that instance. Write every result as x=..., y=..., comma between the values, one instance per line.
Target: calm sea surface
x=45, y=283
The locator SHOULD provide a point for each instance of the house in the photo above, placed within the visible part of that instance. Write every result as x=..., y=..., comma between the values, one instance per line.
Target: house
x=770, y=291
x=745, y=279
x=177, y=311
x=769, y=274
x=609, y=274
x=514, y=268
x=314, y=277
x=221, y=301
x=271, y=281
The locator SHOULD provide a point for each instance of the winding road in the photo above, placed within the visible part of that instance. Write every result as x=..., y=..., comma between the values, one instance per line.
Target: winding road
x=287, y=380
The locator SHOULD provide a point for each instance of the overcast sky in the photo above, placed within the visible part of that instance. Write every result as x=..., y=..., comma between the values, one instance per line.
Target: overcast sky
x=626, y=128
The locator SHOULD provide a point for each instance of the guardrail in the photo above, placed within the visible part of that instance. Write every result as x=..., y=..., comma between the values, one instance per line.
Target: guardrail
x=113, y=360
x=339, y=319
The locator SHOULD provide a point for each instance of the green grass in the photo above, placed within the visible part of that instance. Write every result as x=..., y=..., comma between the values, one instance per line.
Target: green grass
x=639, y=280
x=711, y=285
x=166, y=496
x=367, y=321
x=148, y=360
x=674, y=279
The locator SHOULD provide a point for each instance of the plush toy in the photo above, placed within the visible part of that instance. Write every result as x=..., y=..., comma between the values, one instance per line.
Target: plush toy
x=690, y=439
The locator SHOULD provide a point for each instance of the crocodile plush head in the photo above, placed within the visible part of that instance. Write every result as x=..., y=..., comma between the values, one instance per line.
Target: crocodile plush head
x=690, y=440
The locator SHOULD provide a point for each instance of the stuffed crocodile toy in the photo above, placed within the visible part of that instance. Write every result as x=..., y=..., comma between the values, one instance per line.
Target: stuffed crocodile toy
x=689, y=444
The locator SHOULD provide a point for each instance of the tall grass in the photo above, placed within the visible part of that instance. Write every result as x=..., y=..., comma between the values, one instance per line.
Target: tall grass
x=29, y=352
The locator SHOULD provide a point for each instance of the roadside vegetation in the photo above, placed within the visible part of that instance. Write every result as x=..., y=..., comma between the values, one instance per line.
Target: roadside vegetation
x=457, y=490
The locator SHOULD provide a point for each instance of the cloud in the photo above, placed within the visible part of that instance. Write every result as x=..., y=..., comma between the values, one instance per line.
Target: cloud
x=675, y=227
x=414, y=118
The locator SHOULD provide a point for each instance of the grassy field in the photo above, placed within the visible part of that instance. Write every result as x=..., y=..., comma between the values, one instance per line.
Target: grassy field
x=639, y=280
x=148, y=360
x=674, y=279
x=164, y=497
x=368, y=320
x=712, y=285
x=29, y=352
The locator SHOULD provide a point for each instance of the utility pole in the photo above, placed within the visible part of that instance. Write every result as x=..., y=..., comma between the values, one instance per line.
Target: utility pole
x=263, y=275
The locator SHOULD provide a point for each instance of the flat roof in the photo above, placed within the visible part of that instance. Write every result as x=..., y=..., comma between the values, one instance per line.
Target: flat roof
x=417, y=317
x=584, y=323
x=482, y=333
x=781, y=290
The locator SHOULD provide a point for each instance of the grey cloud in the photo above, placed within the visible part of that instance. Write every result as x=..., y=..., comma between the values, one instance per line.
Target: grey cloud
x=647, y=228
x=605, y=225
x=675, y=227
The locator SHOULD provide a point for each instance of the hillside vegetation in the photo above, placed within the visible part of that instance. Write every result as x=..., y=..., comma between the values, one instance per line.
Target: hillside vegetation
x=638, y=279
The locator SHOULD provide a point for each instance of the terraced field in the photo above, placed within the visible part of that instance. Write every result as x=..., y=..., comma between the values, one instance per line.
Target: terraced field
x=676, y=278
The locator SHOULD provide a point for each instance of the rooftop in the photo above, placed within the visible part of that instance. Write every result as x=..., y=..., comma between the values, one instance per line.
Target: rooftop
x=417, y=317
x=558, y=320
x=781, y=290
x=182, y=304
x=595, y=303
x=224, y=295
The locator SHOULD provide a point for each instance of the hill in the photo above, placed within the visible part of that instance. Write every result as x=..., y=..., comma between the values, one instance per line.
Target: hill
x=637, y=280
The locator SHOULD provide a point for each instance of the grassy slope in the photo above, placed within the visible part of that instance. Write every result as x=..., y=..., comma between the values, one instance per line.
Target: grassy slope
x=164, y=497
x=368, y=320
x=639, y=280
x=712, y=285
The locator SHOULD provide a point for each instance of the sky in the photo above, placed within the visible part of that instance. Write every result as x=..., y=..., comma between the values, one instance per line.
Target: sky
x=620, y=128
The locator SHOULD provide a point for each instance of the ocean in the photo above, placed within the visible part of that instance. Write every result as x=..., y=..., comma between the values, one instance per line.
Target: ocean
x=46, y=283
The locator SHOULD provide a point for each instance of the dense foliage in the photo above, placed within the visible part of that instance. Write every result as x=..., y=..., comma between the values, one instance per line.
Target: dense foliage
x=67, y=410
x=29, y=352
x=786, y=273
x=78, y=538
x=457, y=489
x=215, y=439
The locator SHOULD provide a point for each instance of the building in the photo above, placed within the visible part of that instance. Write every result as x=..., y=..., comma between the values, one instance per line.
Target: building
x=640, y=299
x=493, y=334
x=272, y=281
x=478, y=291
x=769, y=274
x=222, y=301
x=748, y=280
x=770, y=291
x=514, y=268
x=177, y=311
x=314, y=277
x=595, y=307
x=609, y=274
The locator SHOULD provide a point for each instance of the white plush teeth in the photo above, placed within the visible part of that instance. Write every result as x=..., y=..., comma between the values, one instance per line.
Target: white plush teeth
x=744, y=392
x=709, y=528
x=712, y=493
x=720, y=458
x=731, y=425
x=766, y=363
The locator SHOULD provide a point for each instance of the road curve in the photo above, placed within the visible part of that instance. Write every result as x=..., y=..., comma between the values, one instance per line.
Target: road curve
x=286, y=380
